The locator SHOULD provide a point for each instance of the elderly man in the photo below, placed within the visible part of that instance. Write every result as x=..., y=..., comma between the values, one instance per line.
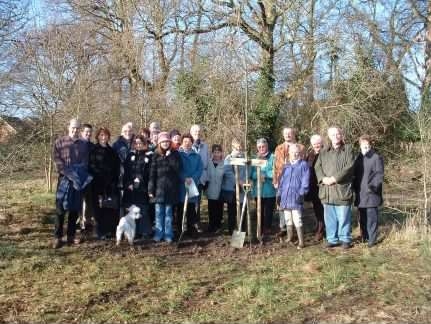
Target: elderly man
x=71, y=159
x=123, y=144
x=281, y=158
x=200, y=147
x=313, y=193
x=369, y=171
x=334, y=171
x=268, y=192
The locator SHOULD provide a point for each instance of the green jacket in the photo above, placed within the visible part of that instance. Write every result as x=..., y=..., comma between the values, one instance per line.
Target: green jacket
x=339, y=164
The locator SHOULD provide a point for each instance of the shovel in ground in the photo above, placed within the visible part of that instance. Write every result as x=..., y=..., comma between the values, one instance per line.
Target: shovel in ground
x=238, y=237
x=184, y=219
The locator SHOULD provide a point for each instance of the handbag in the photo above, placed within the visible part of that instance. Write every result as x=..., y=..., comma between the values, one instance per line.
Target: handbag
x=110, y=202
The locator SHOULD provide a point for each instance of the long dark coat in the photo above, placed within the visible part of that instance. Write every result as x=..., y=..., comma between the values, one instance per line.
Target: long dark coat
x=369, y=171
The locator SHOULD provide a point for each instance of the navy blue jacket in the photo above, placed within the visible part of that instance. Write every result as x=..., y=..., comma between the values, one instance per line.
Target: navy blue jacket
x=369, y=171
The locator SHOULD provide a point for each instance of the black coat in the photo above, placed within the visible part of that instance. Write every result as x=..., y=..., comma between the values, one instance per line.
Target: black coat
x=104, y=166
x=369, y=171
x=313, y=190
x=137, y=166
x=165, y=181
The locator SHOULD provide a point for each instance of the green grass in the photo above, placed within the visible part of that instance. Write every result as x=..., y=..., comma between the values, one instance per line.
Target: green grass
x=98, y=282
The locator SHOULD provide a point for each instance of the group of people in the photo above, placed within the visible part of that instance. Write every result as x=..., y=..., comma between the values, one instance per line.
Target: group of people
x=154, y=169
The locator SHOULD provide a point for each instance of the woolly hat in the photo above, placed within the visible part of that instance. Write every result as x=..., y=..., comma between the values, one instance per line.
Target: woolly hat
x=163, y=137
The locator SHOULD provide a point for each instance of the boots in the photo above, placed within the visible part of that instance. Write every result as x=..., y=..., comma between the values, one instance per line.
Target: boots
x=289, y=234
x=300, y=232
x=319, y=231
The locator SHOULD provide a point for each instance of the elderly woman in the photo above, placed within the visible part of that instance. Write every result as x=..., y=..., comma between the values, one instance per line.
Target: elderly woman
x=268, y=192
x=191, y=171
x=104, y=165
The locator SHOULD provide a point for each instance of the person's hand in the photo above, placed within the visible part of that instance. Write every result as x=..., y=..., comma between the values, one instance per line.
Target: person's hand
x=188, y=181
x=275, y=185
x=130, y=187
x=151, y=195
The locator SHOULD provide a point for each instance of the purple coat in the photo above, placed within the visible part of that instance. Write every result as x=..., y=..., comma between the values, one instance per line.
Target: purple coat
x=293, y=185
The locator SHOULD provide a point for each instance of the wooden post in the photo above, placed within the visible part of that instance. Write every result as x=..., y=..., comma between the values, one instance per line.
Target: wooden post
x=259, y=164
x=259, y=200
x=237, y=192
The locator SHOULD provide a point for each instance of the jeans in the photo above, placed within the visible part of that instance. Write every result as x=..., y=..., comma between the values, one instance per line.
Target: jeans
x=338, y=223
x=368, y=224
x=164, y=218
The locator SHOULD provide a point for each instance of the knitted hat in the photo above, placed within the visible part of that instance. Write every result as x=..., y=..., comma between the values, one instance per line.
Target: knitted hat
x=74, y=123
x=163, y=137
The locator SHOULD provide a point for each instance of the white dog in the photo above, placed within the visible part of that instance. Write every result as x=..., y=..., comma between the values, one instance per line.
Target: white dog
x=127, y=225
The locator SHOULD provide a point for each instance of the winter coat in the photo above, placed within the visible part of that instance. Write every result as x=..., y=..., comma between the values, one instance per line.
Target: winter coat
x=368, y=181
x=192, y=167
x=202, y=149
x=313, y=191
x=215, y=179
x=281, y=157
x=137, y=166
x=267, y=188
x=164, y=181
x=104, y=165
x=122, y=147
x=293, y=185
x=337, y=163
x=70, y=188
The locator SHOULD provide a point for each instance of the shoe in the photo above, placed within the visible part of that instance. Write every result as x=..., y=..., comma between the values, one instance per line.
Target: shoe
x=57, y=243
x=331, y=245
x=198, y=228
x=346, y=245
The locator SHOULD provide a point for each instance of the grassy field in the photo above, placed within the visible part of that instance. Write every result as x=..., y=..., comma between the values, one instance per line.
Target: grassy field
x=206, y=281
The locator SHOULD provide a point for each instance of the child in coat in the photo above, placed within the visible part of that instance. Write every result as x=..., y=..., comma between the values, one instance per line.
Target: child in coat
x=293, y=186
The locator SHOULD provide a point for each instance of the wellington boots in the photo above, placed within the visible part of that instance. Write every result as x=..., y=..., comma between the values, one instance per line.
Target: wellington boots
x=300, y=232
x=289, y=237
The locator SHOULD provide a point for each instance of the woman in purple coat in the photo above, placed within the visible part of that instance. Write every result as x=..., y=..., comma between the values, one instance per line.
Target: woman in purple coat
x=293, y=186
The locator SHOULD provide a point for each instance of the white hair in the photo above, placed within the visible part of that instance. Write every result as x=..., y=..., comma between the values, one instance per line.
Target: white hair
x=128, y=125
x=261, y=141
x=315, y=139
x=195, y=126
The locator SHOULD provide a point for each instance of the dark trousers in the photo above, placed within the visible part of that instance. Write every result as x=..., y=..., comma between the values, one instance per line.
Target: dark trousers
x=231, y=216
x=106, y=218
x=215, y=214
x=190, y=214
x=198, y=204
x=267, y=206
x=318, y=210
x=368, y=224
x=71, y=224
